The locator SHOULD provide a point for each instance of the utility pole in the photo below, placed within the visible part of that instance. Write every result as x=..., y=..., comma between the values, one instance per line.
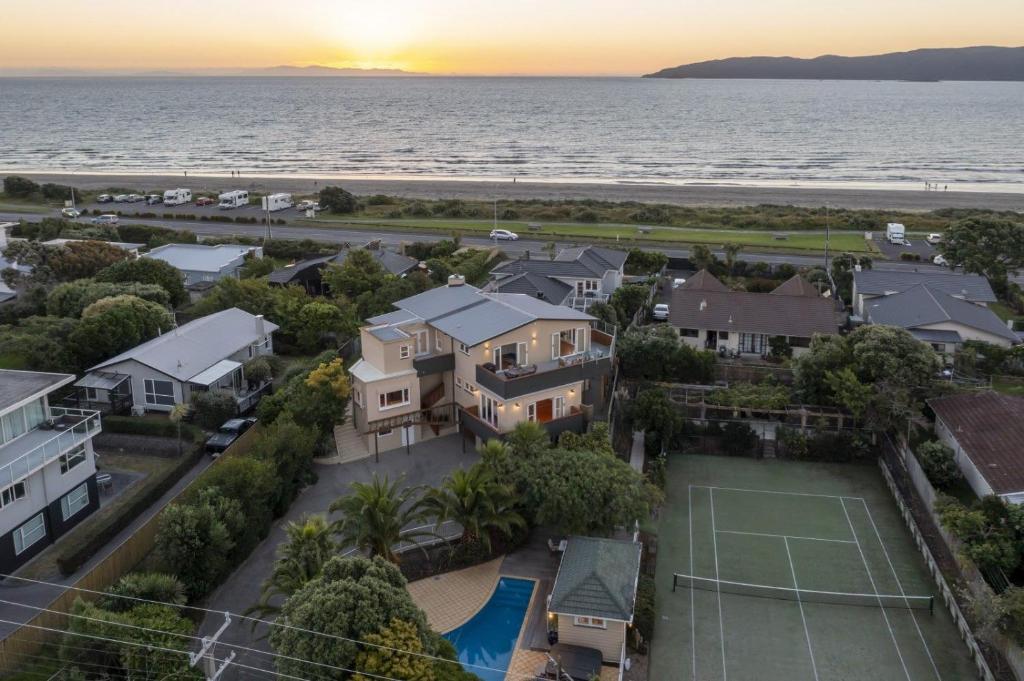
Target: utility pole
x=266, y=205
x=495, y=212
x=205, y=653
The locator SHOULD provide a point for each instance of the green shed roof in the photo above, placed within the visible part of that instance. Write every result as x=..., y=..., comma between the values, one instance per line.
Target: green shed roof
x=597, y=578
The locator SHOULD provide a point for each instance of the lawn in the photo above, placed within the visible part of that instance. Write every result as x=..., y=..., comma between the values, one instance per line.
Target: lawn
x=623, y=233
x=1008, y=385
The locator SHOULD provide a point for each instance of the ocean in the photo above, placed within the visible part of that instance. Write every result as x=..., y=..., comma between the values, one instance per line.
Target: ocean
x=960, y=134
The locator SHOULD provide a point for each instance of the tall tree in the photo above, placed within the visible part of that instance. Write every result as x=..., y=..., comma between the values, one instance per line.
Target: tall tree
x=377, y=516
x=113, y=325
x=147, y=271
x=308, y=545
x=991, y=246
x=477, y=502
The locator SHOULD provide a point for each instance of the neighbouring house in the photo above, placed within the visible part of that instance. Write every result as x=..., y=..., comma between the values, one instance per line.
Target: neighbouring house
x=576, y=277
x=47, y=465
x=197, y=262
x=6, y=292
x=458, y=357
x=131, y=249
x=939, y=319
x=985, y=430
x=309, y=273
x=594, y=594
x=709, y=316
x=869, y=285
x=205, y=354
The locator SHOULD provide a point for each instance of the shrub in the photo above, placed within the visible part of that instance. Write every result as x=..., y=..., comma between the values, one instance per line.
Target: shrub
x=585, y=215
x=257, y=371
x=213, y=407
x=337, y=200
x=19, y=187
x=55, y=192
x=150, y=586
x=153, y=427
x=240, y=479
x=643, y=610
x=738, y=439
x=938, y=463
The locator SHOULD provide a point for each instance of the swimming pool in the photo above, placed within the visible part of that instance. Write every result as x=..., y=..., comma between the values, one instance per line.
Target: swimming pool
x=489, y=637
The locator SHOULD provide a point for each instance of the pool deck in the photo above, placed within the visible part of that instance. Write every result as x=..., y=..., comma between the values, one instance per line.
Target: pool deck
x=451, y=599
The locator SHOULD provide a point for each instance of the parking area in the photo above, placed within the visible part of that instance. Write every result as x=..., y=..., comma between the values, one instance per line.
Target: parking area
x=918, y=246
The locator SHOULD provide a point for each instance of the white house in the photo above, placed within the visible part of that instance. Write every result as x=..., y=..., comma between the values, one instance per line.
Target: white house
x=197, y=262
x=986, y=433
x=205, y=354
x=47, y=465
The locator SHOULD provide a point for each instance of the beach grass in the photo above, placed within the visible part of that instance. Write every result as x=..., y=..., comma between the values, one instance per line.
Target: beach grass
x=853, y=242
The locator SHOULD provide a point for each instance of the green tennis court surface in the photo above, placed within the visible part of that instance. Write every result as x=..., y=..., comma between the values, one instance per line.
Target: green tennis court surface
x=793, y=571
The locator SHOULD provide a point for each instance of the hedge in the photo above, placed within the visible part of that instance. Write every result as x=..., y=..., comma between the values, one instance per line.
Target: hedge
x=88, y=538
x=133, y=425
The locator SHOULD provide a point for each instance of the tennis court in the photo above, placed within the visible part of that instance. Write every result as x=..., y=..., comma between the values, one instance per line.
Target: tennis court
x=790, y=571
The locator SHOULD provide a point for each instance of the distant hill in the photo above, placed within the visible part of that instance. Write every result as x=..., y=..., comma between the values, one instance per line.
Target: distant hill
x=963, y=63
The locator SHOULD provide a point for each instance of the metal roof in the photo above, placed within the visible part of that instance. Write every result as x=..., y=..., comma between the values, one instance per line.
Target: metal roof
x=191, y=348
x=388, y=333
x=440, y=301
x=597, y=578
x=101, y=380
x=971, y=287
x=936, y=335
x=200, y=258
x=585, y=262
x=17, y=386
x=216, y=372
x=921, y=306
x=989, y=427
x=536, y=285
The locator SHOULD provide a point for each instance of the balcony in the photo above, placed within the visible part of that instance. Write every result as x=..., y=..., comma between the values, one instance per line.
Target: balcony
x=573, y=368
x=583, y=302
x=574, y=421
x=433, y=364
x=36, y=448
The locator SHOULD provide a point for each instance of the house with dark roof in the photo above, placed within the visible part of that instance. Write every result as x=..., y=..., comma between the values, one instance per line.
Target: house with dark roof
x=594, y=594
x=308, y=273
x=939, y=319
x=456, y=356
x=709, y=316
x=986, y=433
x=873, y=284
x=577, y=277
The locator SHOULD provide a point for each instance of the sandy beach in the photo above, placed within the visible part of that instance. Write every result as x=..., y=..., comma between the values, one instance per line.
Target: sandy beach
x=683, y=195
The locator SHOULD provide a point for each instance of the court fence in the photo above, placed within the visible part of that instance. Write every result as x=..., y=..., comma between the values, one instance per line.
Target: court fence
x=946, y=594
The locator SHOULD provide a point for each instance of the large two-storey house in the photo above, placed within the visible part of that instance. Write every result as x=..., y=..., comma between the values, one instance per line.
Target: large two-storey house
x=577, y=277
x=456, y=357
x=47, y=465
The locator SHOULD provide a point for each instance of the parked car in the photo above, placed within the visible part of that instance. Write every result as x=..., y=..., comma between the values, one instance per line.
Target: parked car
x=153, y=199
x=135, y=198
x=676, y=283
x=104, y=198
x=504, y=235
x=933, y=238
x=205, y=201
x=940, y=260
x=121, y=198
x=906, y=242
x=107, y=219
x=660, y=312
x=230, y=431
x=303, y=206
x=70, y=213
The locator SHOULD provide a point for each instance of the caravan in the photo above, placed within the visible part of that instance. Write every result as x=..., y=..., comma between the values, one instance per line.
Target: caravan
x=176, y=197
x=276, y=202
x=234, y=199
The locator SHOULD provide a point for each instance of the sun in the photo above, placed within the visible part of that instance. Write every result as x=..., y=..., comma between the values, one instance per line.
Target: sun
x=371, y=31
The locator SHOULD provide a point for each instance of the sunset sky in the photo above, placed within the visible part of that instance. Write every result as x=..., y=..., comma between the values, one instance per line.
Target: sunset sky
x=572, y=37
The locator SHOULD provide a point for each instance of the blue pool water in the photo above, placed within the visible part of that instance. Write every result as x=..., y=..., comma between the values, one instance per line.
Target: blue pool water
x=489, y=638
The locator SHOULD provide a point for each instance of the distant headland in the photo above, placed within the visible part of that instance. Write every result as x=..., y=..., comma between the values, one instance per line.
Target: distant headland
x=963, y=63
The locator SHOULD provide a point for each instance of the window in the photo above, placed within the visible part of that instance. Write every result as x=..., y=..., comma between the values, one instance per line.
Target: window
x=437, y=340
x=796, y=342
x=470, y=388
x=422, y=343
x=403, y=351
x=29, y=533
x=359, y=397
x=595, y=622
x=384, y=432
x=90, y=394
x=72, y=458
x=463, y=348
x=689, y=333
x=395, y=398
x=489, y=410
x=723, y=335
x=531, y=411
x=159, y=392
x=458, y=382
x=12, y=493
x=74, y=501
x=753, y=343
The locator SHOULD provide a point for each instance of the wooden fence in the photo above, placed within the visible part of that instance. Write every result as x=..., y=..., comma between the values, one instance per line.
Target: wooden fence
x=27, y=641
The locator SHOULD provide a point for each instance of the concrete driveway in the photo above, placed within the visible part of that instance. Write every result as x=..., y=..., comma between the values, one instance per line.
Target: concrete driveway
x=426, y=464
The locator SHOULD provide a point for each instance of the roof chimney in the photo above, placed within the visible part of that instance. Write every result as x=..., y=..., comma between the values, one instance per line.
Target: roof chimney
x=260, y=328
x=456, y=280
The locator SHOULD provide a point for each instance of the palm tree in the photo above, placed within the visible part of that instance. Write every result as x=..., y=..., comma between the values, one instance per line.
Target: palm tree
x=477, y=502
x=377, y=517
x=300, y=558
x=731, y=251
x=179, y=413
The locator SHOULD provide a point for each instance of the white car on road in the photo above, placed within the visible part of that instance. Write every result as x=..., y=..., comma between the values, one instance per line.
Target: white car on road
x=71, y=213
x=940, y=260
x=503, y=235
x=933, y=238
x=105, y=220
x=660, y=312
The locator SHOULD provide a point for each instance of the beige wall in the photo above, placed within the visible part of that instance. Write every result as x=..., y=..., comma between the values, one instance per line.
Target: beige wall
x=609, y=641
x=968, y=333
x=372, y=391
x=536, y=335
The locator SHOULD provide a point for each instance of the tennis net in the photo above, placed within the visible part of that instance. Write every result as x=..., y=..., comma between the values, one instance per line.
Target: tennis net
x=803, y=595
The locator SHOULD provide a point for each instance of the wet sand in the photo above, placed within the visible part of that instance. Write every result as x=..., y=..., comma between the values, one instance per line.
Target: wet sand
x=682, y=195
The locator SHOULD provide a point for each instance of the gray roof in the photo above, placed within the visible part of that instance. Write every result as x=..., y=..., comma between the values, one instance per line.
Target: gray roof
x=971, y=287
x=585, y=262
x=200, y=258
x=194, y=347
x=923, y=306
x=440, y=301
x=284, y=275
x=936, y=335
x=797, y=286
x=16, y=386
x=536, y=285
x=597, y=258
x=703, y=281
x=395, y=263
x=395, y=317
x=389, y=333
x=744, y=312
x=597, y=578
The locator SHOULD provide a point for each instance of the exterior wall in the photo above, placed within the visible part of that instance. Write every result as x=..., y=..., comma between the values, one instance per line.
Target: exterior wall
x=139, y=373
x=732, y=343
x=372, y=392
x=969, y=333
x=971, y=473
x=609, y=641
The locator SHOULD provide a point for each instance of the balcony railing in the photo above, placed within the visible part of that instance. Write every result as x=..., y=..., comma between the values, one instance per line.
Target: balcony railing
x=40, y=446
x=574, y=420
x=584, y=301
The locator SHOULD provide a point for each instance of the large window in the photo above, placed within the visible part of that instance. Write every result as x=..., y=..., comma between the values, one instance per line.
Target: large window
x=753, y=343
x=11, y=494
x=29, y=533
x=422, y=347
x=594, y=622
x=72, y=458
x=689, y=333
x=74, y=501
x=21, y=420
x=489, y=410
x=395, y=398
x=159, y=392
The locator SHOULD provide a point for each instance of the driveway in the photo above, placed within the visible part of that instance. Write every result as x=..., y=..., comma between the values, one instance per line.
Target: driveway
x=426, y=464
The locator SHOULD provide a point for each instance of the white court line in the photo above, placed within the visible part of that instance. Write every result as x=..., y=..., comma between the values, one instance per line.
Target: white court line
x=693, y=613
x=899, y=586
x=800, y=602
x=786, y=536
x=871, y=579
x=721, y=623
x=775, y=491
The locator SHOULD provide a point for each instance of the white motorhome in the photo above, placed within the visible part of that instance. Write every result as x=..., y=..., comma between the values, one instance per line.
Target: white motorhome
x=234, y=199
x=277, y=202
x=176, y=197
x=895, y=232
